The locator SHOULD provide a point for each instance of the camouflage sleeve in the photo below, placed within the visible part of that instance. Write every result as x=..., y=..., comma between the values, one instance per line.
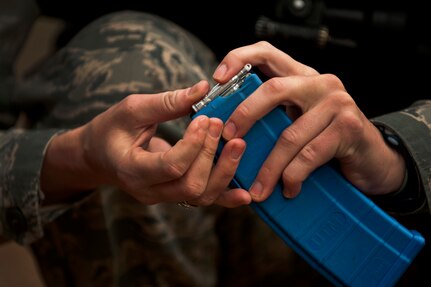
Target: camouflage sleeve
x=409, y=130
x=21, y=157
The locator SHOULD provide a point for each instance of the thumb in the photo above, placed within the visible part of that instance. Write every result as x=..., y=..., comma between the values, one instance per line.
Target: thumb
x=171, y=104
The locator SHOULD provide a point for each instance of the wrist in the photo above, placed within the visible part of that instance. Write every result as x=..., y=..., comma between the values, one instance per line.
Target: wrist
x=397, y=174
x=409, y=197
x=65, y=173
x=383, y=168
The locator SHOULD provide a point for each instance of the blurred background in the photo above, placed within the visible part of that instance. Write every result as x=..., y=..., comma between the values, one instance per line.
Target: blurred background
x=380, y=49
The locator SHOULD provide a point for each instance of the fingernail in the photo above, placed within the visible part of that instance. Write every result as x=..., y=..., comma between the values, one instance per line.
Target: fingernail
x=287, y=194
x=215, y=131
x=256, y=189
x=229, y=130
x=190, y=91
x=236, y=152
x=292, y=192
x=220, y=71
x=203, y=122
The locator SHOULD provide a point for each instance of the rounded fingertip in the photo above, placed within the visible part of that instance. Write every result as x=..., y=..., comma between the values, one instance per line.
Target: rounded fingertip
x=217, y=122
x=256, y=191
x=229, y=130
x=216, y=127
x=237, y=151
x=290, y=193
x=202, y=122
x=220, y=72
x=232, y=198
x=287, y=194
x=198, y=90
x=248, y=200
x=244, y=198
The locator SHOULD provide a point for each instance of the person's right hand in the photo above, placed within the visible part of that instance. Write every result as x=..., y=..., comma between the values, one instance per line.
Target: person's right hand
x=118, y=148
x=327, y=124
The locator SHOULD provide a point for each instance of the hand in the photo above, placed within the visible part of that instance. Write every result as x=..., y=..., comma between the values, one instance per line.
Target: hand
x=118, y=148
x=327, y=124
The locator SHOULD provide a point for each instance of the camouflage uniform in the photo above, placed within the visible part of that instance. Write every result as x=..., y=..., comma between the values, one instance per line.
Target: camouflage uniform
x=107, y=238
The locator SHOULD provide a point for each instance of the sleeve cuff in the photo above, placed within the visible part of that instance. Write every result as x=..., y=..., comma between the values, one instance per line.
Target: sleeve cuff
x=408, y=133
x=22, y=154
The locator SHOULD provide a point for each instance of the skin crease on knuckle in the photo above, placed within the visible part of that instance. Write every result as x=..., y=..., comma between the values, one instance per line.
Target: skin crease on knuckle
x=169, y=100
x=349, y=122
x=308, y=155
x=208, y=152
x=173, y=169
x=193, y=188
x=229, y=169
x=225, y=173
x=332, y=82
x=351, y=125
x=207, y=201
x=242, y=112
x=275, y=85
x=224, y=170
x=289, y=138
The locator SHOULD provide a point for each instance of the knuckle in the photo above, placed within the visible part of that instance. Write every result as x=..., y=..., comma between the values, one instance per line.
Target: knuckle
x=289, y=138
x=260, y=45
x=348, y=116
x=129, y=102
x=194, y=188
x=230, y=170
x=174, y=170
x=235, y=53
x=332, y=82
x=208, y=153
x=264, y=45
x=309, y=71
x=207, y=201
x=169, y=100
x=242, y=111
x=275, y=85
x=307, y=155
x=351, y=122
x=341, y=101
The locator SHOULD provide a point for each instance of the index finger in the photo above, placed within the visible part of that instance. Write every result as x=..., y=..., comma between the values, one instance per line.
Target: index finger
x=294, y=91
x=270, y=61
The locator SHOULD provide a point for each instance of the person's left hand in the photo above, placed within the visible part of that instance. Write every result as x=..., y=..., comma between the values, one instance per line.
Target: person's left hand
x=118, y=148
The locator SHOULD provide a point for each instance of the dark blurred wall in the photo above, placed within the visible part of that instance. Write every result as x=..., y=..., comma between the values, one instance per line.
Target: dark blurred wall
x=378, y=49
